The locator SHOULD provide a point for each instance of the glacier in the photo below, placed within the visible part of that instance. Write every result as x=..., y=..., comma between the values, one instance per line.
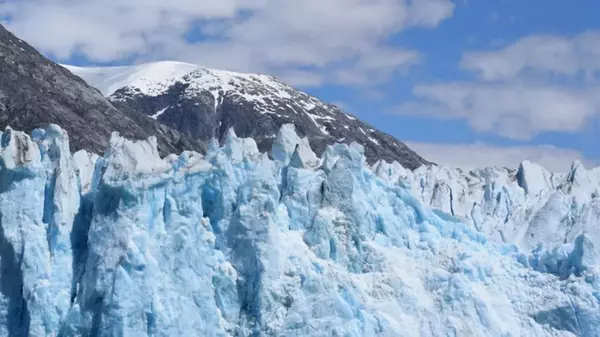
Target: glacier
x=234, y=243
x=530, y=206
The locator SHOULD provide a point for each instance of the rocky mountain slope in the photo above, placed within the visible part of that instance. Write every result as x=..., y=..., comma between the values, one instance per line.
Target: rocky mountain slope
x=205, y=103
x=35, y=91
x=236, y=244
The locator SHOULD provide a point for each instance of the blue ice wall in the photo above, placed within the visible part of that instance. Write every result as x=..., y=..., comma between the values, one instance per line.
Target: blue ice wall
x=235, y=243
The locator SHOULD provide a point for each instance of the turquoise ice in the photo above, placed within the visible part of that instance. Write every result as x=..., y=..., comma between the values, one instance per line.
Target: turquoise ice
x=234, y=243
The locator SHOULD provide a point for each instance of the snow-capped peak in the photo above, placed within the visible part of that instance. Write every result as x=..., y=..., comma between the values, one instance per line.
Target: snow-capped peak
x=154, y=78
x=149, y=77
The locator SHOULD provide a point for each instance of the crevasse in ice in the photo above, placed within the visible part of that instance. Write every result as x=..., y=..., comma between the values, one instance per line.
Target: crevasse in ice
x=234, y=243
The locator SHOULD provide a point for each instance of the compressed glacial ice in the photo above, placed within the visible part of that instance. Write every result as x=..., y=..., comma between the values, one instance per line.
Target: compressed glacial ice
x=527, y=207
x=234, y=243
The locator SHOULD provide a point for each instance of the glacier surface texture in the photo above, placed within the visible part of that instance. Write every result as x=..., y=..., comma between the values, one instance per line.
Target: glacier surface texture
x=235, y=243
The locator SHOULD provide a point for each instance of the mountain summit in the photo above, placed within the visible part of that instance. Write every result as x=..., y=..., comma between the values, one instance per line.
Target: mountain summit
x=35, y=91
x=205, y=103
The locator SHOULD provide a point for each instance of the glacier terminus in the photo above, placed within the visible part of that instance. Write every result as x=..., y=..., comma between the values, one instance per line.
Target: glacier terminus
x=239, y=243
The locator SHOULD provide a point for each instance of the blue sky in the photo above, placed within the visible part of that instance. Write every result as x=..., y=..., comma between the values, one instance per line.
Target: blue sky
x=466, y=83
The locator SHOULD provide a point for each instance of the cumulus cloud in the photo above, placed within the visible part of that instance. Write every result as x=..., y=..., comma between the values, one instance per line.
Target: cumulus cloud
x=477, y=155
x=535, y=85
x=539, y=54
x=314, y=41
x=514, y=110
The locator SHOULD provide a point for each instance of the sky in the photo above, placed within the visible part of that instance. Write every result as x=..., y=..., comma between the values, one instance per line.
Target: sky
x=465, y=83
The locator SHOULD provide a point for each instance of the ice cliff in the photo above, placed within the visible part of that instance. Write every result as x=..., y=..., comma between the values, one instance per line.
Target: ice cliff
x=529, y=206
x=234, y=243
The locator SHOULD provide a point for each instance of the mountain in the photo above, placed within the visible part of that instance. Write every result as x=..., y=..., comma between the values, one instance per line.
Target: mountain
x=234, y=243
x=34, y=91
x=204, y=103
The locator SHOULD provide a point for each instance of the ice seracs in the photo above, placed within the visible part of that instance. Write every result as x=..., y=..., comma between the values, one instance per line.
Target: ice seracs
x=17, y=149
x=232, y=243
x=526, y=207
x=534, y=179
x=86, y=166
x=39, y=201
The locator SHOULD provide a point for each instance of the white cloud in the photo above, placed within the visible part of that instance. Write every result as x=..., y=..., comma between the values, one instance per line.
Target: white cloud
x=333, y=38
x=302, y=78
x=535, y=85
x=477, y=155
x=106, y=30
x=377, y=65
x=513, y=110
x=541, y=54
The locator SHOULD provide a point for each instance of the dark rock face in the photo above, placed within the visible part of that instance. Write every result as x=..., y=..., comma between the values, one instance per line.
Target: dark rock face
x=204, y=104
x=34, y=91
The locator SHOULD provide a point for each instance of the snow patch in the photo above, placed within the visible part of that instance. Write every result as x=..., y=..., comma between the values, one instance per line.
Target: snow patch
x=159, y=113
